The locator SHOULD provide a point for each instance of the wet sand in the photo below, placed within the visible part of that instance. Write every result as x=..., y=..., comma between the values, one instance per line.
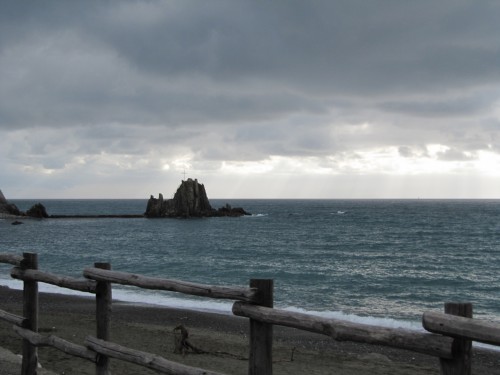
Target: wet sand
x=225, y=338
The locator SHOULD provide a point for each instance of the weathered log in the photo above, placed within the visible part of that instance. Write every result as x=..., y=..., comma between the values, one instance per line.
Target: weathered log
x=340, y=330
x=261, y=333
x=149, y=360
x=65, y=346
x=12, y=318
x=15, y=260
x=103, y=298
x=30, y=312
x=48, y=278
x=460, y=327
x=461, y=363
x=146, y=282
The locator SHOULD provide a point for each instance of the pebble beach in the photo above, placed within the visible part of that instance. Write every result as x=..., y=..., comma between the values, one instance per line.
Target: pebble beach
x=224, y=338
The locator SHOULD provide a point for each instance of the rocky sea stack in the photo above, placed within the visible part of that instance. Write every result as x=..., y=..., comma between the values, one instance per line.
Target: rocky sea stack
x=190, y=200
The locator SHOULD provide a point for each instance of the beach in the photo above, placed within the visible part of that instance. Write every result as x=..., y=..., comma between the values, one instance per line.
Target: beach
x=225, y=338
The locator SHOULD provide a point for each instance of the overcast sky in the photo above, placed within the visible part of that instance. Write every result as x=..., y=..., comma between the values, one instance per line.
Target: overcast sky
x=255, y=99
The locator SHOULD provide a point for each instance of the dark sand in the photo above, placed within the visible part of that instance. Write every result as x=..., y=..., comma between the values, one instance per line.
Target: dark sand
x=150, y=329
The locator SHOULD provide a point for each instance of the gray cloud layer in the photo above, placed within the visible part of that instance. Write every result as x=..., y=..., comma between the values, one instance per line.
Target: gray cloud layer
x=234, y=80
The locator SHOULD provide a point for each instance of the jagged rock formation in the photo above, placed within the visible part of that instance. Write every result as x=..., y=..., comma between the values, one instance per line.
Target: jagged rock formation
x=190, y=200
x=8, y=208
x=37, y=210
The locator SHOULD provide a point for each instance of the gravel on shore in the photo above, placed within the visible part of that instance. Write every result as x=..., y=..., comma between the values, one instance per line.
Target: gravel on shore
x=224, y=337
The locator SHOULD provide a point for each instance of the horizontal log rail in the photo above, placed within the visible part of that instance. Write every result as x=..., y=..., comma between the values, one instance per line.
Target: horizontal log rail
x=67, y=282
x=340, y=330
x=146, y=282
x=12, y=318
x=138, y=357
x=65, y=346
x=449, y=335
x=15, y=260
x=460, y=327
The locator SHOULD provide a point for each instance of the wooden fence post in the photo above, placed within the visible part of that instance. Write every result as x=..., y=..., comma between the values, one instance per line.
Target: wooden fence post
x=30, y=313
x=103, y=315
x=462, y=349
x=261, y=334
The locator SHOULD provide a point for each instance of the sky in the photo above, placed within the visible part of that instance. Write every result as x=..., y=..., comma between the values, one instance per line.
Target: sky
x=255, y=99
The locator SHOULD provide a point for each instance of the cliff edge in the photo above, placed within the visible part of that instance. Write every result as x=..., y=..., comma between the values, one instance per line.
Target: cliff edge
x=10, y=209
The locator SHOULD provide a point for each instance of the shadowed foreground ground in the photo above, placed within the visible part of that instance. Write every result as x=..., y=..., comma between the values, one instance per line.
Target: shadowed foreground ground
x=150, y=329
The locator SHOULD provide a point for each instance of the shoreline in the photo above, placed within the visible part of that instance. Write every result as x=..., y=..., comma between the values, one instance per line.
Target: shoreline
x=222, y=307
x=105, y=216
x=150, y=328
x=10, y=217
x=118, y=216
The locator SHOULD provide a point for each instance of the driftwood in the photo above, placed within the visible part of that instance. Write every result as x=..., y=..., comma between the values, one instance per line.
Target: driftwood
x=181, y=342
x=149, y=360
x=183, y=346
x=15, y=260
x=48, y=278
x=146, y=282
x=426, y=343
x=460, y=327
x=37, y=339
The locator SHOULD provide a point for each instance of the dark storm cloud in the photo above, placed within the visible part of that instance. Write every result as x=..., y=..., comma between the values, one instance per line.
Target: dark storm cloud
x=323, y=48
x=261, y=78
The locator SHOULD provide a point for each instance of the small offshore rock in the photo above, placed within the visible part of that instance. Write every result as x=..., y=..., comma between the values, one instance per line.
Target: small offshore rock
x=227, y=210
x=37, y=210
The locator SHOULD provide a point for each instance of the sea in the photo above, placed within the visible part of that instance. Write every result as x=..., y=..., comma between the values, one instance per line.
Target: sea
x=382, y=262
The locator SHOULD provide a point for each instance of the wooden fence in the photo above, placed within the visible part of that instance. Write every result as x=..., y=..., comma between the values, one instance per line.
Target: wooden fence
x=450, y=333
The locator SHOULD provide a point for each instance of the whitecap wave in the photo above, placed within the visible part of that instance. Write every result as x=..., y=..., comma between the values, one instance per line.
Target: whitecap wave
x=136, y=296
x=369, y=320
x=172, y=299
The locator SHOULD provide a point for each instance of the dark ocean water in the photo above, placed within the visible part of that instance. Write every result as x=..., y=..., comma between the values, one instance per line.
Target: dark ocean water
x=375, y=261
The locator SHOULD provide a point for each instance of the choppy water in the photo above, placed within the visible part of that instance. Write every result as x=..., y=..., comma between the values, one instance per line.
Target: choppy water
x=383, y=261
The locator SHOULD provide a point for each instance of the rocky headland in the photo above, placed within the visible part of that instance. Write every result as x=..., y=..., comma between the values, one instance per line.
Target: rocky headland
x=6, y=208
x=190, y=200
x=10, y=210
